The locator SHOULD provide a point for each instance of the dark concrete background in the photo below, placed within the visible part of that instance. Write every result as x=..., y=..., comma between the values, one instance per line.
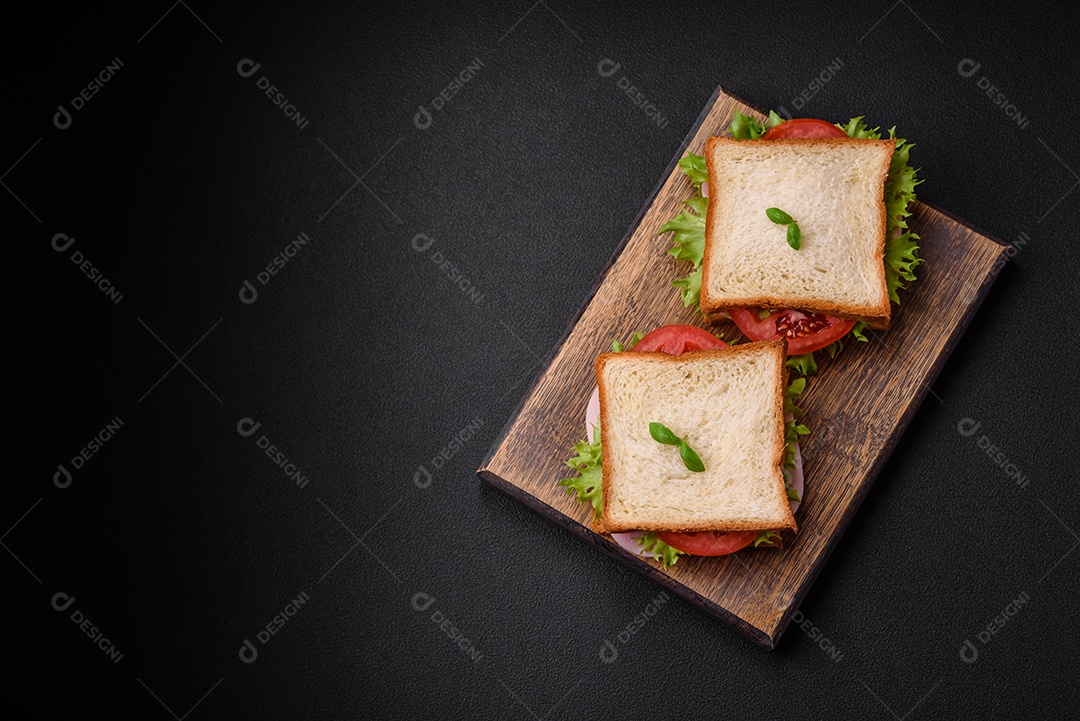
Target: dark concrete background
x=180, y=539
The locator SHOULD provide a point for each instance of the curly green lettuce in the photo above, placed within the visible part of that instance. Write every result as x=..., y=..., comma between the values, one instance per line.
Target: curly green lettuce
x=688, y=234
x=743, y=127
x=589, y=464
x=901, y=246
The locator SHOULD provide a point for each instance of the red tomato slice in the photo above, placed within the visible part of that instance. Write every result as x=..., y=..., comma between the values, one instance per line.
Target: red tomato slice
x=803, y=330
x=709, y=543
x=803, y=128
x=678, y=339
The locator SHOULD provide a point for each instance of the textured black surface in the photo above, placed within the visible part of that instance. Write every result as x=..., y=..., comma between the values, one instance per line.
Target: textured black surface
x=361, y=359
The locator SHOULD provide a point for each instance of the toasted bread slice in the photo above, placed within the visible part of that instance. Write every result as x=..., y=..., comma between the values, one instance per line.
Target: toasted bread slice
x=834, y=188
x=729, y=405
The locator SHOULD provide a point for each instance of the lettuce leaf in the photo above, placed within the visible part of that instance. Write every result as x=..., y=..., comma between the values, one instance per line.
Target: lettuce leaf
x=589, y=463
x=689, y=229
x=695, y=169
x=743, y=127
x=659, y=550
x=690, y=289
x=617, y=347
x=901, y=257
x=689, y=233
x=803, y=364
x=769, y=538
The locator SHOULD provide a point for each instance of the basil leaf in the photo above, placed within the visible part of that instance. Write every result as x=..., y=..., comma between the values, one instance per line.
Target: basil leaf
x=794, y=236
x=662, y=434
x=690, y=458
x=778, y=216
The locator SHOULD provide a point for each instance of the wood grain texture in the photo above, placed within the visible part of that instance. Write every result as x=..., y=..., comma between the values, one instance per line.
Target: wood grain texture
x=857, y=406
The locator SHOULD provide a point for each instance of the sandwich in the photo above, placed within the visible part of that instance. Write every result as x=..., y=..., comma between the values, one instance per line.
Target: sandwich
x=802, y=242
x=695, y=448
x=802, y=232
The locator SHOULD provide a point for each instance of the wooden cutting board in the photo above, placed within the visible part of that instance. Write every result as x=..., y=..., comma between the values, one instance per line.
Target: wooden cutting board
x=857, y=406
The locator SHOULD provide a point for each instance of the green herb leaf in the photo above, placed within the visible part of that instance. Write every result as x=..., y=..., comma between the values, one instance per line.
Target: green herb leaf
x=695, y=168
x=792, y=494
x=659, y=550
x=857, y=331
x=662, y=434
x=588, y=462
x=833, y=348
x=690, y=458
x=794, y=236
x=778, y=216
